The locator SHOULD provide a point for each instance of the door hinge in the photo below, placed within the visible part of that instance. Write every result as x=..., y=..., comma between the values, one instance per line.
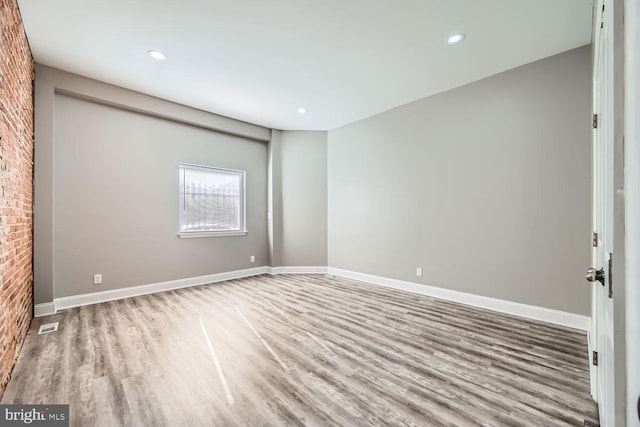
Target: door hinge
x=594, y=358
x=594, y=239
x=610, y=275
x=594, y=121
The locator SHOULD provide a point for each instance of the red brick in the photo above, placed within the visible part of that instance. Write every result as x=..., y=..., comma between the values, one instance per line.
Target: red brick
x=16, y=171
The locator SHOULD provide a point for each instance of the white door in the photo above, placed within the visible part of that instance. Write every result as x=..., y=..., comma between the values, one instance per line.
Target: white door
x=602, y=333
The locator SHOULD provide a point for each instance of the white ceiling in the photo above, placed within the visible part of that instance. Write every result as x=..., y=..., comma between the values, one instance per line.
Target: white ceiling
x=259, y=61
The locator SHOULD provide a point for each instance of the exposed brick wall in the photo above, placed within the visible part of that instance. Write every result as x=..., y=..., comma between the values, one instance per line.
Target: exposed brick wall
x=16, y=188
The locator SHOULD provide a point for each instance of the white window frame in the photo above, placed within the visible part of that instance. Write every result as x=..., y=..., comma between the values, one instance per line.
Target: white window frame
x=243, y=200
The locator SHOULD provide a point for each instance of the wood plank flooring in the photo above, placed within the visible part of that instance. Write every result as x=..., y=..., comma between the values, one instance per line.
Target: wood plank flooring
x=308, y=350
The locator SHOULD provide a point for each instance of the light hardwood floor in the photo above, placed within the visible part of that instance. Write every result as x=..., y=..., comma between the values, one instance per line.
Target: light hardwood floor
x=303, y=350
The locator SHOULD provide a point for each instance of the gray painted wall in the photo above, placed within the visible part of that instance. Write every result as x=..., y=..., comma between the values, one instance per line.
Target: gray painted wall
x=274, y=194
x=486, y=187
x=113, y=172
x=298, y=198
x=304, y=198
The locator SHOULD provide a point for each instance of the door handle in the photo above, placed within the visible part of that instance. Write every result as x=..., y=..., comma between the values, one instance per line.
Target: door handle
x=595, y=275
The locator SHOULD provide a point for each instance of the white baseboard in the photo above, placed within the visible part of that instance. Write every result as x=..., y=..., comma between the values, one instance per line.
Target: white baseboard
x=557, y=317
x=529, y=311
x=297, y=270
x=44, y=309
x=115, y=294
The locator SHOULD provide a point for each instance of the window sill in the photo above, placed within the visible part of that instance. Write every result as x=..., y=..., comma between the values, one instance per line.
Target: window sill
x=211, y=234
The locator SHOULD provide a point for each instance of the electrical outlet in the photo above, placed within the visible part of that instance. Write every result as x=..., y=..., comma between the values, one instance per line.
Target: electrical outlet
x=97, y=279
x=419, y=271
x=253, y=258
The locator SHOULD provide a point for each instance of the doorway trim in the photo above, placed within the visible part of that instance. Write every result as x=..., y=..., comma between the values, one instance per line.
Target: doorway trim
x=632, y=190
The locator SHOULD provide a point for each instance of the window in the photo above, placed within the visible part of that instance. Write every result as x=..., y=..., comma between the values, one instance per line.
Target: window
x=212, y=202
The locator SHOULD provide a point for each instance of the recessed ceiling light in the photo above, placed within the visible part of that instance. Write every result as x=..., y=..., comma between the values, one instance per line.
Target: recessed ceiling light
x=303, y=110
x=455, y=39
x=156, y=54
